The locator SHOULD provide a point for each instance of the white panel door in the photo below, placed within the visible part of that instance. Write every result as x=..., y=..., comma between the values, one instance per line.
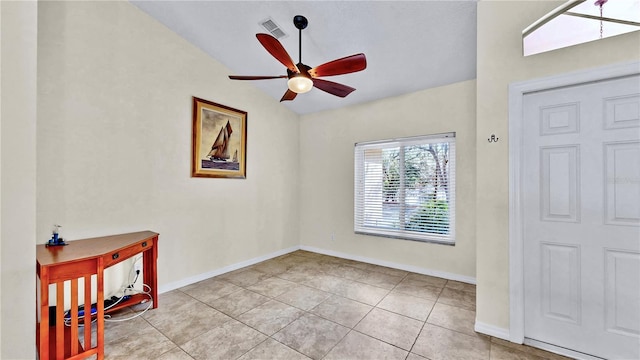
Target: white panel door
x=581, y=194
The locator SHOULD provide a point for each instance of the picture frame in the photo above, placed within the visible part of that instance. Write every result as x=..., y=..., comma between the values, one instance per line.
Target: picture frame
x=219, y=141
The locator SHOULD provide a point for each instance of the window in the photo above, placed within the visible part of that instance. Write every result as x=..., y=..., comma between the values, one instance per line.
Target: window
x=580, y=21
x=405, y=188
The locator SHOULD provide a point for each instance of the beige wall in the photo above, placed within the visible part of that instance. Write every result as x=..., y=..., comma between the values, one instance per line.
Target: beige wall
x=326, y=175
x=113, y=151
x=114, y=143
x=18, y=24
x=500, y=63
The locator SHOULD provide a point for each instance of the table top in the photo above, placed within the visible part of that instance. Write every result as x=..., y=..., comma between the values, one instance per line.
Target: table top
x=88, y=248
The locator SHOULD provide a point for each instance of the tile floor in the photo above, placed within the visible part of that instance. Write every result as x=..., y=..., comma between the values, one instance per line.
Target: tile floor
x=305, y=305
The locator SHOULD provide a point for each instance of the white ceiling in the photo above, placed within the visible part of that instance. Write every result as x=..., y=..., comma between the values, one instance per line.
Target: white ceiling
x=409, y=45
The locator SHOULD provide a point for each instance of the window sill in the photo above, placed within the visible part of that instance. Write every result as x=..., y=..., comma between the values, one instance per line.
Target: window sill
x=428, y=240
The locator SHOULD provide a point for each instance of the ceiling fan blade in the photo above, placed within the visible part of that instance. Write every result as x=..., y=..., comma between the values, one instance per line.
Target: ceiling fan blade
x=275, y=48
x=333, y=87
x=241, y=77
x=341, y=66
x=288, y=96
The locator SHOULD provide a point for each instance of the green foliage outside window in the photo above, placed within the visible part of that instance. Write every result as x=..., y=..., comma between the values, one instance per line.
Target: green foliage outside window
x=432, y=217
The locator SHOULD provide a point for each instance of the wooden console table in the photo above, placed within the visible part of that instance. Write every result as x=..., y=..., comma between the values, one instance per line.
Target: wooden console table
x=81, y=259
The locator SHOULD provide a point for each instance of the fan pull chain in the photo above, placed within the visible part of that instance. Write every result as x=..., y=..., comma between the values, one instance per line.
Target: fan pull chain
x=600, y=3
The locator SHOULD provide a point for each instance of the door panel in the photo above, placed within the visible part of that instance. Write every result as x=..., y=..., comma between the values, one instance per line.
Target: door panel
x=622, y=194
x=622, y=292
x=581, y=206
x=560, y=183
x=561, y=282
x=622, y=112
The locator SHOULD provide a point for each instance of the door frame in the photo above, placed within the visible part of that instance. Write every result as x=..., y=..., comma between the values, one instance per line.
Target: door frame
x=517, y=91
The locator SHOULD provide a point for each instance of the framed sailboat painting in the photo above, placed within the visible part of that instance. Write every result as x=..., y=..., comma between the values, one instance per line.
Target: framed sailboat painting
x=219, y=141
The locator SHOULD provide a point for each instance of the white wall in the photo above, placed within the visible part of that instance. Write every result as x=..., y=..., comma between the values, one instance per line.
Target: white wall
x=18, y=25
x=114, y=131
x=500, y=62
x=326, y=175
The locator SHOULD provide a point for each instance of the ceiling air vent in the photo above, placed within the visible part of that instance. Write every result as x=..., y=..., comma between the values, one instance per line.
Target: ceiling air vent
x=273, y=28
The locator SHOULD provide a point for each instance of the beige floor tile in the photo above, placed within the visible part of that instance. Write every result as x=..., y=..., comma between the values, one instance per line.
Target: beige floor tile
x=458, y=298
x=271, y=349
x=388, y=270
x=238, y=302
x=407, y=305
x=499, y=352
x=453, y=318
x=359, y=346
x=118, y=329
x=270, y=317
x=273, y=266
x=413, y=356
x=394, y=329
x=364, y=293
x=418, y=289
x=298, y=274
x=147, y=343
x=303, y=297
x=175, y=354
x=244, y=277
x=438, y=343
x=345, y=271
x=292, y=259
x=341, y=310
x=181, y=322
x=378, y=268
x=308, y=254
x=461, y=286
x=272, y=287
x=228, y=341
x=426, y=279
x=345, y=261
x=311, y=335
x=115, y=331
x=328, y=283
x=528, y=349
x=316, y=318
x=210, y=289
x=379, y=279
x=171, y=301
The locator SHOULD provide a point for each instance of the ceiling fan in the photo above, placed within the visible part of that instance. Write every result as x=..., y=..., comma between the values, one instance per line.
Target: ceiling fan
x=302, y=77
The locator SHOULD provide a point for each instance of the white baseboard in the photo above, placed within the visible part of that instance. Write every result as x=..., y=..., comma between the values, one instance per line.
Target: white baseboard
x=194, y=279
x=410, y=268
x=491, y=330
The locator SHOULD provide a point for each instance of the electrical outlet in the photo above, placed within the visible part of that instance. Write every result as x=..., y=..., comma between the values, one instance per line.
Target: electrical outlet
x=138, y=267
x=333, y=236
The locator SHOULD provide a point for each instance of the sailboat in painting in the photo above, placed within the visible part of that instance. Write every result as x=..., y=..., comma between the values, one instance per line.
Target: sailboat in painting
x=219, y=149
x=219, y=154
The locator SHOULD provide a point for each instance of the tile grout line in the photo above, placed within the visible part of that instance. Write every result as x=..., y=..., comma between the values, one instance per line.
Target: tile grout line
x=427, y=319
x=331, y=294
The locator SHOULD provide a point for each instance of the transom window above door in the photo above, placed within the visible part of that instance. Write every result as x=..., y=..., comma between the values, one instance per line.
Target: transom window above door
x=405, y=188
x=580, y=21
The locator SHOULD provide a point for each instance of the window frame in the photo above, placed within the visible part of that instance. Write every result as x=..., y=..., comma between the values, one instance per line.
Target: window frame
x=359, y=181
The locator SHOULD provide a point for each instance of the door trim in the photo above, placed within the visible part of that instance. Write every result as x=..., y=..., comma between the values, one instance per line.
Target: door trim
x=517, y=91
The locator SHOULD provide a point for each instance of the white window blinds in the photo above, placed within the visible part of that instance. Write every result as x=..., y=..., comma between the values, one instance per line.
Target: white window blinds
x=405, y=188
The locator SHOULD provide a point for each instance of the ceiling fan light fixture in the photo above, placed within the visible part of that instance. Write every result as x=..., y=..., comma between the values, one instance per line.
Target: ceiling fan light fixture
x=300, y=84
x=302, y=78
